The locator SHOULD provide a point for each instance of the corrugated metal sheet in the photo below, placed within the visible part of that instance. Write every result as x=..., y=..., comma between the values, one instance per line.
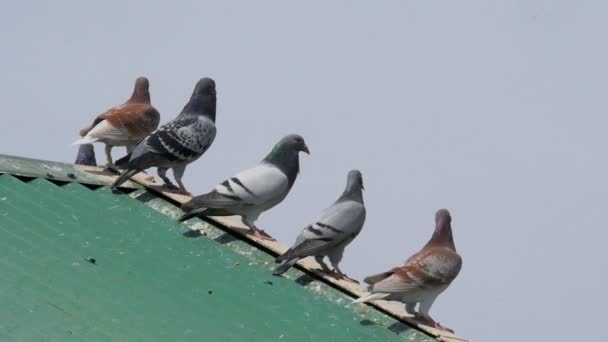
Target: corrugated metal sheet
x=87, y=265
x=59, y=171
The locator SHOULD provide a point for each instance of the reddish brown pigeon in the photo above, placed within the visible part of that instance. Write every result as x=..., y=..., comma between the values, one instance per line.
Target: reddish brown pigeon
x=124, y=125
x=423, y=277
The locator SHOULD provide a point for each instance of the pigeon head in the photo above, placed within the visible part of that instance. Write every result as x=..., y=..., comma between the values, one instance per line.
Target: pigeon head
x=442, y=236
x=355, y=180
x=141, y=91
x=292, y=143
x=354, y=187
x=285, y=155
x=203, y=99
x=205, y=86
x=443, y=217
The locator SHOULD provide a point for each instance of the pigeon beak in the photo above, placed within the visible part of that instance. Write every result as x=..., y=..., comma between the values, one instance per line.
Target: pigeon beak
x=305, y=149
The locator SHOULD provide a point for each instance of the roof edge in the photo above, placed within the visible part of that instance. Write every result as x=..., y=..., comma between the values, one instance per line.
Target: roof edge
x=307, y=265
x=57, y=171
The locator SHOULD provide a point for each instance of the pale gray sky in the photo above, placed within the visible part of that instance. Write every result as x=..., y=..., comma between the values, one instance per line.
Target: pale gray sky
x=495, y=110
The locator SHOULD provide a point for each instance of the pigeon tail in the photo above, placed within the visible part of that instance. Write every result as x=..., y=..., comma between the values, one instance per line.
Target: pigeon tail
x=284, y=266
x=370, y=297
x=285, y=256
x=191, y=214
x=85, y=140
x=123, y=162
x=123, y=178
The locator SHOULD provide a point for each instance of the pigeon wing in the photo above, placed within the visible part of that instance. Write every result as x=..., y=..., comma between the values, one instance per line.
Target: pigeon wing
x=181, y=140
x=338, y=225
x=252, y=187
x=122, y=124
x=430, y=267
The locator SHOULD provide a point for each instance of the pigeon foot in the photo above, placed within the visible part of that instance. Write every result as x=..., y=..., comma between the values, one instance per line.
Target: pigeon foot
x=340, y=275
x=260, y=234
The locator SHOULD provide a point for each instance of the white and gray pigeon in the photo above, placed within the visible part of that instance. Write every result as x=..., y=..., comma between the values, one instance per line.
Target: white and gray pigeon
x=177, y=143
x=255, y=190
x=337, y=226
x=423, y=277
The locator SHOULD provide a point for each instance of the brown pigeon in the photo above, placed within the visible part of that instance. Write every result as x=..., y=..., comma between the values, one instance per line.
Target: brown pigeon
x=124, y=125
x=423, y=276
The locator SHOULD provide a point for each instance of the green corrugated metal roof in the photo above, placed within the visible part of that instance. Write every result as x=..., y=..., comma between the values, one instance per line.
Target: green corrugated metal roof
x=149, y=282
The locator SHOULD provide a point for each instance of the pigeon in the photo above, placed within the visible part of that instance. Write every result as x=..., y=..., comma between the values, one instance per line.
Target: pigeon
x=86, y=155
x=177, y=143
x=332, y=232
x=124, y=125
x=255, y=190
x=423, y=276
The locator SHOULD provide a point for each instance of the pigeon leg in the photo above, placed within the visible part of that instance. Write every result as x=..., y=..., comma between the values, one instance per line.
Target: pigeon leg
x=427, y=320
x=423, y=315
x=410, y=308
x=108, y=150
x=260, y=234
x=178, y=173
x=319, y=260
x=110, y=167
x=338, y=274
x=441, y=327
x=341, y=275
x=182, y=188
x=334, y=258
x=162, y=173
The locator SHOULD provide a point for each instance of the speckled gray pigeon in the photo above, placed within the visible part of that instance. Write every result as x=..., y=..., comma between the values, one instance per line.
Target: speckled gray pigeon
x=255, y=190
x=337, y=226
x=423, y=277
x=179, y=142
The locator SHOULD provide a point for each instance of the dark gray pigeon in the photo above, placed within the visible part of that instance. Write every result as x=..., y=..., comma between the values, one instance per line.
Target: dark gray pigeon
x=332, y=232
x=177, y=143
x=255, y=190
x=86, y=155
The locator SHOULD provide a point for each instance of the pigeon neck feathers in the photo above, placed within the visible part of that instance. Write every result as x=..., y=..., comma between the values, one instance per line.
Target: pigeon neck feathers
x=140, y=97
x=285, y=159
x=201, y=105
x=442, y=236
x=141, y=91
x=203, y=99
x=352, y=192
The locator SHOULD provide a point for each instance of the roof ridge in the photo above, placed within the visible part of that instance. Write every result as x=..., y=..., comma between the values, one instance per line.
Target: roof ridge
x=99, y=176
